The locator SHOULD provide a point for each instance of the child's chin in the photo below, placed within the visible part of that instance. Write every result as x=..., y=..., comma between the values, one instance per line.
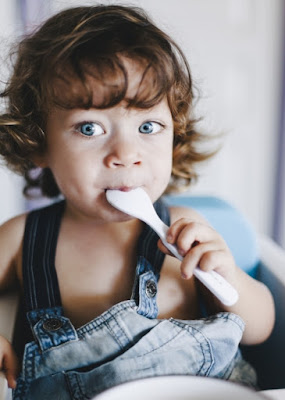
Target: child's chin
x=119, y=216
x=124, y=218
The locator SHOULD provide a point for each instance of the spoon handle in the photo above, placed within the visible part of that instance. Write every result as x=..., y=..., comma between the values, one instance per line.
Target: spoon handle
x=213, y=281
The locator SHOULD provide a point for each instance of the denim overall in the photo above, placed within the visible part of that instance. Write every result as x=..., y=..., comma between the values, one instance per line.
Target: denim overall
x=124, y=343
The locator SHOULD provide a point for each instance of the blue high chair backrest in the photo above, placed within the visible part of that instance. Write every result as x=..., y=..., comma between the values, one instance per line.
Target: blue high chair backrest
x=230, y=223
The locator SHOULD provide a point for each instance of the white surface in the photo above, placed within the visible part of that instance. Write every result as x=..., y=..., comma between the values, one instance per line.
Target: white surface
x=179, y=388
x=277, y=394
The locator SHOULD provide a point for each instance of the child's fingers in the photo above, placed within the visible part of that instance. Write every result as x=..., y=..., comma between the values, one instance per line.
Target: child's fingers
x=175, y=229
x=11, y=380
x=200, y=245
x=11, y=369
x=185, y=233
x=194, y=257
x=8, y=362
x=220, y=260
x=164, y=249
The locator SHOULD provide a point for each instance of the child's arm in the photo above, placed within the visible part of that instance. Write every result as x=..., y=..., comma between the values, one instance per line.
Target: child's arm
x=201, y=245
x=11, y=234
x=8, y=362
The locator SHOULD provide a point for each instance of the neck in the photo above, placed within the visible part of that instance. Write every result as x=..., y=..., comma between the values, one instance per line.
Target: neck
x=88, y=228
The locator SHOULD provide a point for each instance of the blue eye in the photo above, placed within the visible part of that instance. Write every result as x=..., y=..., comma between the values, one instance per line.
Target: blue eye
x=149, y=127
x=90, y=129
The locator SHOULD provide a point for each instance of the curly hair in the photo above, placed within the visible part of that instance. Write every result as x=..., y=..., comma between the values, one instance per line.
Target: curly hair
x=56, y=67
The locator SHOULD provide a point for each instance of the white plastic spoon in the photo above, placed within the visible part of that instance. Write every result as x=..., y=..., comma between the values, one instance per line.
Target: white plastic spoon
x=137, y=203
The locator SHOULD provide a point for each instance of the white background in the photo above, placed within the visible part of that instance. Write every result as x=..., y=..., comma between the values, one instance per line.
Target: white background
x=234, y=48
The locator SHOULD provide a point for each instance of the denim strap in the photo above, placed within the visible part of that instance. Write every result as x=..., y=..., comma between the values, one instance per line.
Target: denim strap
x=150, y=260
x=41, y=289
x=147, y=246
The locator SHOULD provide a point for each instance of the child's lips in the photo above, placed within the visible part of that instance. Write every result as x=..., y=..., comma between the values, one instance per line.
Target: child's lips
x=126, y=188
x=122, y=188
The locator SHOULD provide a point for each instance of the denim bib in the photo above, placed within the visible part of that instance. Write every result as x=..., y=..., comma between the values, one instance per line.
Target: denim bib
x=127, y=341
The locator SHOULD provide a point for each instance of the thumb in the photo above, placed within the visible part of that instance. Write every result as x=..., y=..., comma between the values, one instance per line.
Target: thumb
x=164, y=249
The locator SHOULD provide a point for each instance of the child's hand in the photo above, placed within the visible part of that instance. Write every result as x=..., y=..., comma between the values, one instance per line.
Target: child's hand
x=8, y=362
x=201, y=245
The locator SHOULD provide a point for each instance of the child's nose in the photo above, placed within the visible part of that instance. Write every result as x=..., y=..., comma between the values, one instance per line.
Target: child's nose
x=123, y=154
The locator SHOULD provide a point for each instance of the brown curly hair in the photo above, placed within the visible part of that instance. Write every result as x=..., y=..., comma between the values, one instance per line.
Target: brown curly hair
x=53, y=68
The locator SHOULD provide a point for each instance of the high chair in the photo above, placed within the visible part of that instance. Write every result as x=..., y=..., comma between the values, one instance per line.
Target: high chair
x=258, y=255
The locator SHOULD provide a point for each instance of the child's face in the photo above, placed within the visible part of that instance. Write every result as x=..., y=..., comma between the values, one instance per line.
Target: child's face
x=92, y=150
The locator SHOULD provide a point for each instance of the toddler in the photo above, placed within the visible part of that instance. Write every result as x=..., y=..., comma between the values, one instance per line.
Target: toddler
x=100, y=98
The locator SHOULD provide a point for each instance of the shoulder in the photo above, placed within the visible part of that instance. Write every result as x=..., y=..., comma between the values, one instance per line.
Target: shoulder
x=13, y=229
x=11, y=238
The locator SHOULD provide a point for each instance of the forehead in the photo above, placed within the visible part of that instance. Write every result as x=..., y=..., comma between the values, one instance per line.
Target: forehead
x=137, y=82
x=135, y=73
x=106, y=82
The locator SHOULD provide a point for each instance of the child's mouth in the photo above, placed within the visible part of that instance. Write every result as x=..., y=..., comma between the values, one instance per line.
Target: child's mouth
x=121, y=188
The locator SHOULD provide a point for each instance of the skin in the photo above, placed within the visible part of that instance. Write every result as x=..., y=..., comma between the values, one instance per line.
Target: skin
x=88, y=152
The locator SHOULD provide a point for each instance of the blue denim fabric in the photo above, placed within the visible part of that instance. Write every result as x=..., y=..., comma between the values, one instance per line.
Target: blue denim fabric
x=121, y=345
